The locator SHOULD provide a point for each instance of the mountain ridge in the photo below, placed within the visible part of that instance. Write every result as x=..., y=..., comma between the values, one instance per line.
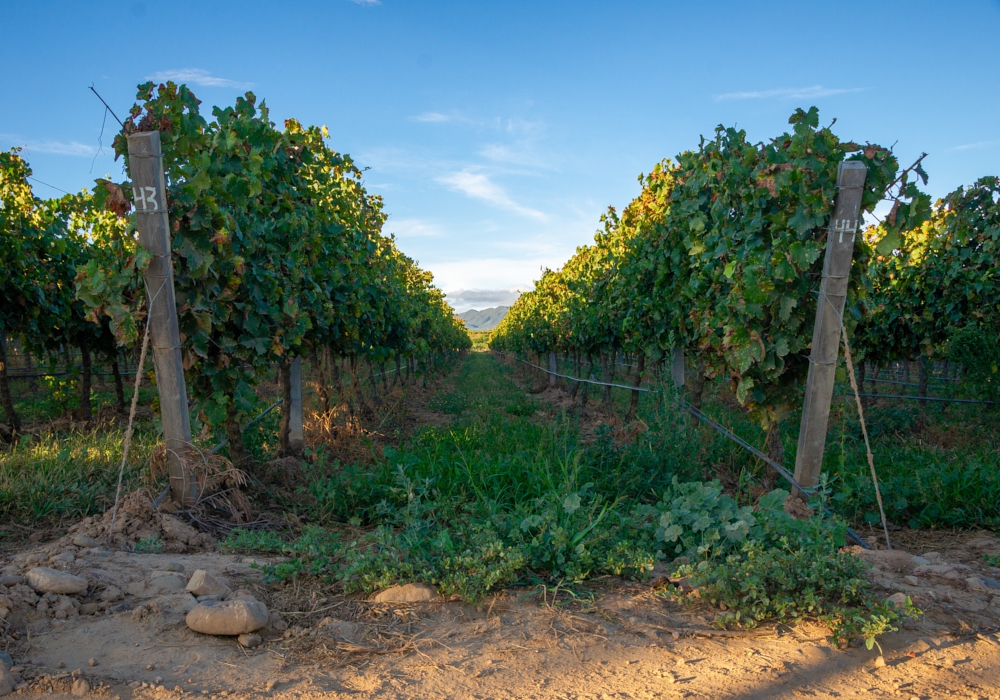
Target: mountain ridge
x=484, y=320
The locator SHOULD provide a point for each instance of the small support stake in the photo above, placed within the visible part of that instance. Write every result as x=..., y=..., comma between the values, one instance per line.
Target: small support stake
x=149, y=189
x=677, y=367
x=840, y=237
x=296, y=437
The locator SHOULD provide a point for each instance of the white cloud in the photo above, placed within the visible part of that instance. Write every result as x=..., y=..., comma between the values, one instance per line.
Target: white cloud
x=59, y=148
x=974, y=146
x=196, y=76
x=433, y=117
x=411, y=228
x=465, y=299
x=513, y=156
x=788, y=93
x=367, y=2
x=479, y=186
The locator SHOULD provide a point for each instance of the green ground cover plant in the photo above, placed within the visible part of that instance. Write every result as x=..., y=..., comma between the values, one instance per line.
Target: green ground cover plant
x=499, y=499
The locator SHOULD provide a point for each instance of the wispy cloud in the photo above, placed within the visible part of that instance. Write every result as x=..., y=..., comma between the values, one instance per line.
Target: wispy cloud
x=59, y=148
x=434, y=117
x=412, y=228
x=514, y=156
x=464, y=299
x=479, y=186
x=975, y=146
x=197, y=76
x=788, y=93
x=367, y=2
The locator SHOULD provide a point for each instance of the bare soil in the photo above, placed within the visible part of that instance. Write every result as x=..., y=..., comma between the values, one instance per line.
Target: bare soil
x=610, y=639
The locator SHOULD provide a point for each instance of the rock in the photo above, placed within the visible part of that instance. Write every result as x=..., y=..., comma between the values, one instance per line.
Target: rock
x=63, y=558
x=912, y=580
x=995, y=603
x=920, y=561
x=897, y=599
x=174, y=566
x=46, y=580
x=85, y=542
x=975, y=583
x=203, y=583
x=880, y=662
x=111, y=594
x=167, y=584
x=92, y=662
x=80, y=687
x=991, y=582
x=242, y=594
x=5, y=660
x=7, y=681
x=207, y=598
x=410, y=593
x=933, y=557
x=135, y=588
x=276, y=623
x=179, y=603
x=229, y=617
x=250, y=640
x=89, y=608
x=11, y=580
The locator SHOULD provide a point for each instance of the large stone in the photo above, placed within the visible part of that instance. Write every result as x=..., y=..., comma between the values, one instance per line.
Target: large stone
x=5, y=660
x=85, y=542
x=228, y=617
x=80, y=687
x=410, y=593
x=46, y=580
x=11, y=580
x=167, y=584
x=203, y=583
x=898, y=600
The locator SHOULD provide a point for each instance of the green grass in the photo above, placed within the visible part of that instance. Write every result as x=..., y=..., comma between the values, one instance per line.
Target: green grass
x=509, y=497
x=68, y=475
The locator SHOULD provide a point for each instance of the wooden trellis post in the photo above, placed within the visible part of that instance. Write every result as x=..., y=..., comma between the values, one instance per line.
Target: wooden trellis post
x=841, y=232
x=149, y=195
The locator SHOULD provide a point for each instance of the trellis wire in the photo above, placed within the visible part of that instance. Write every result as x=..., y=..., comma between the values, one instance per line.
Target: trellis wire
x=784, y=473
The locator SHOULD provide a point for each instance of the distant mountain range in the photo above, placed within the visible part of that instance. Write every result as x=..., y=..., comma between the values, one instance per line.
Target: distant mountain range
x=485, y=320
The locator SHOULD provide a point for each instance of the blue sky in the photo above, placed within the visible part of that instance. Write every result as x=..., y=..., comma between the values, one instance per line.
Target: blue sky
x=499, y=132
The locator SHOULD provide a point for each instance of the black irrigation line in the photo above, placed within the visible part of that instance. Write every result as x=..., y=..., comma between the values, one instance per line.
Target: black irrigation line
x=784, y=473
x=63, y=374
x=250, y=424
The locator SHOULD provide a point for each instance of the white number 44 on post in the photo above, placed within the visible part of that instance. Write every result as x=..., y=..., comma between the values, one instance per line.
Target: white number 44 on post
x=146, y=195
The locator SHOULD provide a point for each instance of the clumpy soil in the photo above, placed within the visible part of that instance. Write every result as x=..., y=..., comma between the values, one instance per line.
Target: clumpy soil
x=611, y=639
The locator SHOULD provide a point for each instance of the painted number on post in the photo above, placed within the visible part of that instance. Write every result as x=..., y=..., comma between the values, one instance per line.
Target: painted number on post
x=843, y=226
x=146, y=195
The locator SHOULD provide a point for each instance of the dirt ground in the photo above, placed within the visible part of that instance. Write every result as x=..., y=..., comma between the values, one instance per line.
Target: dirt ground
x=126, y=636
x=611, y=640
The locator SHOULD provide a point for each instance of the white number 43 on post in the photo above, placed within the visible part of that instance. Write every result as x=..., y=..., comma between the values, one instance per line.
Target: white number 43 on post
x=146, y=195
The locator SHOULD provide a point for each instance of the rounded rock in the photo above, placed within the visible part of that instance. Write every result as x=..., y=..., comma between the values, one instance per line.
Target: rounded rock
x=228, y=617
x=410, y=593
x=85, y=542
x=250, y=640
x=80, y=687
x=46, y=580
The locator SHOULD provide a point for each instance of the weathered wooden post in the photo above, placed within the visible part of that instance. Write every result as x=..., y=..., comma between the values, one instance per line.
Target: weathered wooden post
x=149, y=195
x=677, y=367
x=829, y=317
x=296, y=437
x=552, y=368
